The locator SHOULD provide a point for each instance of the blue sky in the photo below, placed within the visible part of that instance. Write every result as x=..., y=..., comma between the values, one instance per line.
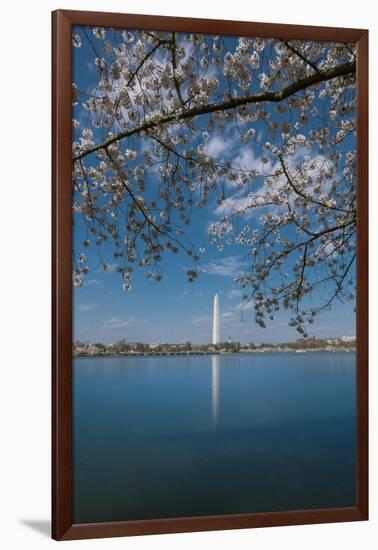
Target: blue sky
x=174, y=310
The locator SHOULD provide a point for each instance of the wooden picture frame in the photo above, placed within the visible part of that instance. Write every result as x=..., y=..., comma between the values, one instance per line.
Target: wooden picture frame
x=63, y=527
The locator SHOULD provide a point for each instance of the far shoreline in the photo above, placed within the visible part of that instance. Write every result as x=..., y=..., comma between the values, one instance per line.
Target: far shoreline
x=198, y=354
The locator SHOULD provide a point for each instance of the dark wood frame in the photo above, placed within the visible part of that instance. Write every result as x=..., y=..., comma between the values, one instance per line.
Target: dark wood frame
x=62, y=526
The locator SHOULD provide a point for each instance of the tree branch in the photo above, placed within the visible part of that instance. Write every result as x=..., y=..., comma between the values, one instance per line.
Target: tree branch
x=174, y=66
x=135, y=200
x=275, y=97
x=147, y=56
x=284, y=253
x=303, y=195
x=300, y=284
x=339, y=285
x=301, y=56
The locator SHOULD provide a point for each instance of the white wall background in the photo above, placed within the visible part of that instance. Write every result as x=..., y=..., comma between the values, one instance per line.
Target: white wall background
x=25, y=271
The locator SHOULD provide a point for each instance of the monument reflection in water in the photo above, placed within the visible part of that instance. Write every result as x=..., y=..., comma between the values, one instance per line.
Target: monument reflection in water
x=215, y=365
x=215, y=362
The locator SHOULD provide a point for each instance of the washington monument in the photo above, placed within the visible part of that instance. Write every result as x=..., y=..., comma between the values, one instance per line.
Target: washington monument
x=216, y=321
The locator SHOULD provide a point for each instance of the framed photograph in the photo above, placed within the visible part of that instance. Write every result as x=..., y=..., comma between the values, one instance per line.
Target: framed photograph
x=210, y=261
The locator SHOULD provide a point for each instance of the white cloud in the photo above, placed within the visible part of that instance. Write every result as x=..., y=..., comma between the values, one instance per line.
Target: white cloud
x=216, y=146
x=117, y=322
x=242, y=198
x=247, y=160
x=93, y=282
x=230, y=266
x=88, y=307
x=90, y=66
x=236, y=202
x=228, y=316
x=196, y=293
x=202, y=320
x=234, y=293
x=244, y=306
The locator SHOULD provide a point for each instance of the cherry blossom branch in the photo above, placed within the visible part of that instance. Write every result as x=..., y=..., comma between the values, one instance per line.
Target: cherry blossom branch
x=300, y=284
x=174, y=66
x=303, y=195
x=339, y=285
x=286, y=252
x=146, y=57
x=134, y=199
x=301, y=56
x=341, y=70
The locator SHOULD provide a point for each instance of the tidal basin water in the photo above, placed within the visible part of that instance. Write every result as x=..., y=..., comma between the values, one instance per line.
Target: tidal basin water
x=175, y=436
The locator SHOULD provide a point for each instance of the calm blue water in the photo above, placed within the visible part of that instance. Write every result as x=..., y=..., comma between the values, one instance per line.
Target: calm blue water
x=182, y=436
